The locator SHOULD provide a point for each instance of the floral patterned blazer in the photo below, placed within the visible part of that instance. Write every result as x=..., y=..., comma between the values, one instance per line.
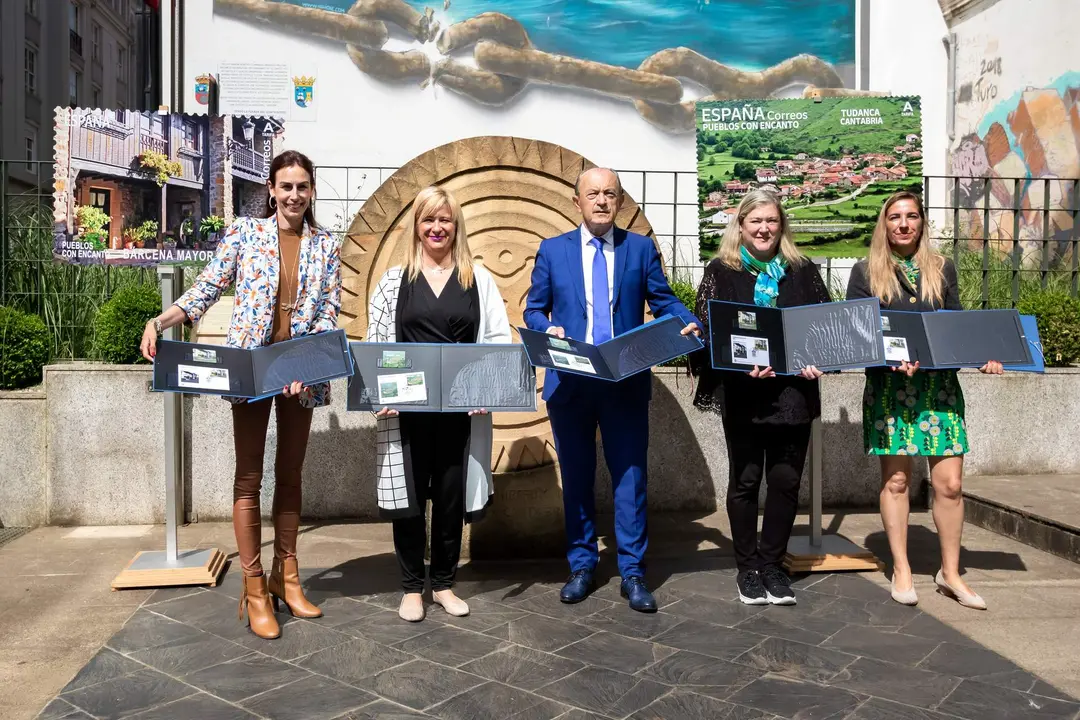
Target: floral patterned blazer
x=247, y=255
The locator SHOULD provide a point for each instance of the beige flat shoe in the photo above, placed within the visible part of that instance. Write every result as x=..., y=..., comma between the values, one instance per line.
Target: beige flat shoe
x=412, y=607
x=971, y=600
x=904, y=597
x=451, y=603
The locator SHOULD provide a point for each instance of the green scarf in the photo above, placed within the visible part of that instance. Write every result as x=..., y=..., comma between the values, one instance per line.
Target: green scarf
x=768, y=274
x=910, y=268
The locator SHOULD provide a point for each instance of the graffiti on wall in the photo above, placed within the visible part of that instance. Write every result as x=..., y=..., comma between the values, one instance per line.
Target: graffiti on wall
x=1022, y=163
x=656, y=56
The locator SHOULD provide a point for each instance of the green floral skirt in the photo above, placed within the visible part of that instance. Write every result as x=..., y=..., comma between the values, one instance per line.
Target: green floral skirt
x=920, y=415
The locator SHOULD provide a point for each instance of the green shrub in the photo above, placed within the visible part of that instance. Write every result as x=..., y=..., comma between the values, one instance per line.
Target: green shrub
x=25, y=344
x=119, y=325
x=1058, y=317
x=687, y=293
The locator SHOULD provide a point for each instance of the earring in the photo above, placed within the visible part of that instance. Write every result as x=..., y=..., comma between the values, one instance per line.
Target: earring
x=272, y=202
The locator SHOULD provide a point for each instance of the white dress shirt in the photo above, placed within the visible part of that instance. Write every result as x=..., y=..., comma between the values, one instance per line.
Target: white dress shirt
x=588, y=252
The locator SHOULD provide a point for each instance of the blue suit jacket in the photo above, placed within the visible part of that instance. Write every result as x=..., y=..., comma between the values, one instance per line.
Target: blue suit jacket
x=557, y=297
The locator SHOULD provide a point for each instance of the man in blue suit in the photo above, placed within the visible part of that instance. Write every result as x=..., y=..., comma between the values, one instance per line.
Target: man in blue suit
x=592, y=284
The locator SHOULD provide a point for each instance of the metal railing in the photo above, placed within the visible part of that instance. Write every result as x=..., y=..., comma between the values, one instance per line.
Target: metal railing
x=1035, y=248
x=1008, y=237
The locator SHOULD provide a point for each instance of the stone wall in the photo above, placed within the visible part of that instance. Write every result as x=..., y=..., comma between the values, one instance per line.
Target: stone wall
x=220, y=167
x=22, y=458
x=118, y=477
x=99, y=471
x=252, y=197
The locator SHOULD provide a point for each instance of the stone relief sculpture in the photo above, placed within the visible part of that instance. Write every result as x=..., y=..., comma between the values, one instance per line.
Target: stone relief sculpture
x=514, y=193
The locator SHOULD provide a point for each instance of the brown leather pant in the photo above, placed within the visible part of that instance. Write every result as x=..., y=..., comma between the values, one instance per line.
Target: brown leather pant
x=250, y=421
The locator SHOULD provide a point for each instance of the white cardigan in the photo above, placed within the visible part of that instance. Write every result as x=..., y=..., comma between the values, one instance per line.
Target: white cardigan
x=382, y=327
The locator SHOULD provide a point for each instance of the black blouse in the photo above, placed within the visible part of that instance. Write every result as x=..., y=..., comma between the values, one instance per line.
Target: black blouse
x=782, y=400
x=451, y=317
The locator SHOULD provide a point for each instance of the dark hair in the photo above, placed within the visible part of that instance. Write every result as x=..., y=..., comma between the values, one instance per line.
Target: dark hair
x=287, y=159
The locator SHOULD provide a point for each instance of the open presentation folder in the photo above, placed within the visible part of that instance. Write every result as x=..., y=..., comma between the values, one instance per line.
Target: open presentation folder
x=254, y=374
x=632, y=352
x=956, y=338
x=441, y=377
x=830, y=336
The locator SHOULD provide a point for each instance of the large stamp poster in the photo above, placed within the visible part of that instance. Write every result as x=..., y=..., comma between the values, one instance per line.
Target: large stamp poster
x=148, y=188
x=832, y=161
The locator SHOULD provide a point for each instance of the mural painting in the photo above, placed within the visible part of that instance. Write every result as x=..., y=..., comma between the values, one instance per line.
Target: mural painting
x=1033, y=136
x=632, y=66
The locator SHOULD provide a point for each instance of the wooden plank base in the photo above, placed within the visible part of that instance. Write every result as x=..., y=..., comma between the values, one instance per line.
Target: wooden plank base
x=150, y=569
x=831, y=563
x=834, y=554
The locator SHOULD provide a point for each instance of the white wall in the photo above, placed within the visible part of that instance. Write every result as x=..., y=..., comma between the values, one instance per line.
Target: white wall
x=908, y=57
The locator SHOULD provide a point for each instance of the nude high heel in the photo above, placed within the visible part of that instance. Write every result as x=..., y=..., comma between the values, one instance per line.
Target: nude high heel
x=904, y=597
x=970, y=600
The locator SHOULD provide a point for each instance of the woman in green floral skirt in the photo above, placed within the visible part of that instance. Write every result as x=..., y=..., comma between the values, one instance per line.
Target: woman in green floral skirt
x=909, y=412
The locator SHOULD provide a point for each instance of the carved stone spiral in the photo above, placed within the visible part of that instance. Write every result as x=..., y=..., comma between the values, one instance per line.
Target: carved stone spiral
x=514, y=193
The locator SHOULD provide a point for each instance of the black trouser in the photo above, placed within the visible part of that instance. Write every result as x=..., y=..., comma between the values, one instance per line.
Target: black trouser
x=438, y=444
x=783, y=450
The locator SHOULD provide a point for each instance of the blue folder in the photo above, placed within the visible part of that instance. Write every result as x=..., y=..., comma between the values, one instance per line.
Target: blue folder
x=255, y=374
x=632, y=352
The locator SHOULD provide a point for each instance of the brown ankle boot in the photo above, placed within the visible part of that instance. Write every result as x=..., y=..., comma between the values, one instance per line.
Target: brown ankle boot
x=284, y=585
x=261, y=618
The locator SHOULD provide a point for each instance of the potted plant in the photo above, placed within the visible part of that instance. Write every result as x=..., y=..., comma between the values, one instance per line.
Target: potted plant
x=92, y=221
x=159, y=166
x=142, y=233
x=210, y=228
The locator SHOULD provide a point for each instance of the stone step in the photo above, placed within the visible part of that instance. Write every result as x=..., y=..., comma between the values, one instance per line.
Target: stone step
x=1042, y=511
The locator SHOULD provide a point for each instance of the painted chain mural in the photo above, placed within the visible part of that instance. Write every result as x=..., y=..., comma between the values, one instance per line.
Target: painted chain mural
x=548, y=69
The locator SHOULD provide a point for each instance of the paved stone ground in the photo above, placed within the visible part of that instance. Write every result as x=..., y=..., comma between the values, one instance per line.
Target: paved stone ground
x=845, y=651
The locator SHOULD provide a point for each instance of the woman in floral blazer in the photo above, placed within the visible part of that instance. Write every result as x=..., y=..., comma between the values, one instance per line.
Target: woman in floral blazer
x=287, y=277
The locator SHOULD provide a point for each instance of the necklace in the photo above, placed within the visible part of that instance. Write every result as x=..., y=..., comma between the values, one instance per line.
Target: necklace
x=288, y=307
x=438, y=269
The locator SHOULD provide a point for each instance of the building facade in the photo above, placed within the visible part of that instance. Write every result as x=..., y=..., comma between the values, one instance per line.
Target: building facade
x=61, y=53
x=105, y=151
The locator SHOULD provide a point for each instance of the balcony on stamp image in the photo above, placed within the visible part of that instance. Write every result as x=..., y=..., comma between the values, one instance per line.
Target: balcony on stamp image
x=251, y=147
x=249, y=150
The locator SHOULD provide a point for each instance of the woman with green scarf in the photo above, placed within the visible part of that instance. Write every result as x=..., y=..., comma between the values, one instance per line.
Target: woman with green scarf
x=766, y=417
x=910, y=412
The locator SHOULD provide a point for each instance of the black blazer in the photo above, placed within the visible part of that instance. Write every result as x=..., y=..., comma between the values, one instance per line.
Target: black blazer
x=782, y=400
x=910, y=298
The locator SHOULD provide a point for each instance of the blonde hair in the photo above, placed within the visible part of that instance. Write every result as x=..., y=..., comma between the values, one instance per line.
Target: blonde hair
x=884, y=279
x=428, y=201
x=732, y=240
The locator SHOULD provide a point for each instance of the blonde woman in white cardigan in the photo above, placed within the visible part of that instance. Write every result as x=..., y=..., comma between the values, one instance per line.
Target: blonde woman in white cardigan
x=439, y=295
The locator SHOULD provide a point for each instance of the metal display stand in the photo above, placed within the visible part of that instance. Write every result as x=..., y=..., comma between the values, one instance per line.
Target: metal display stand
x=163, y=568
x=824, y=553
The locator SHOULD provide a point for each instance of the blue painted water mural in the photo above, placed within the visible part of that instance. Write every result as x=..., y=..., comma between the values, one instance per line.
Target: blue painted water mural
x=747, y=34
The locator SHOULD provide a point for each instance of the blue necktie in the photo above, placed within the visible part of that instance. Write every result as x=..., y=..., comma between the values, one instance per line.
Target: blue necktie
x=601, y=307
